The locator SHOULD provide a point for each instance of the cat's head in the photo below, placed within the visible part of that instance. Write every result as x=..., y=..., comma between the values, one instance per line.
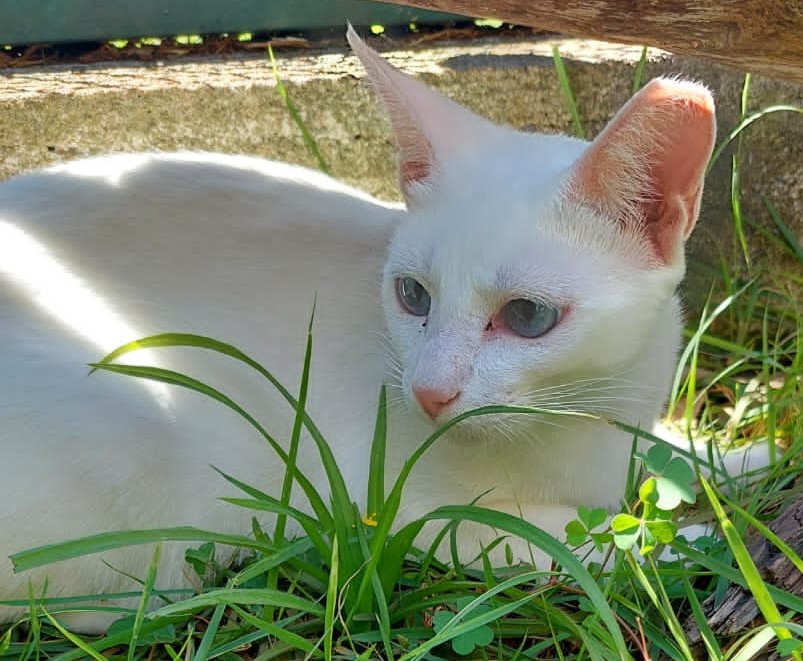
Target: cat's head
x=537, y=270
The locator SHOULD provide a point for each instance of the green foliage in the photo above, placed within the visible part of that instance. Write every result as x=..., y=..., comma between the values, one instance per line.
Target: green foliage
x=650, y=523
x=671, y=482
x=586, y=527
x=465, y=643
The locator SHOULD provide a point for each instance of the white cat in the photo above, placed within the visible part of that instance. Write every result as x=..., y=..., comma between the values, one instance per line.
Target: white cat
x=526, y=270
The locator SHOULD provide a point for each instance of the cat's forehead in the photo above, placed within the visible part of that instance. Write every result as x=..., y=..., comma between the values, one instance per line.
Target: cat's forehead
x=499, y=216
x=517, y=246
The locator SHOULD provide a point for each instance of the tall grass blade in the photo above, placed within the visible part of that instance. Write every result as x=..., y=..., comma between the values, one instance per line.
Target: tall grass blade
x=147, y=590
x=295, y=436
x=202, y=653
x=43, y=555
x=706, y=634
x=383, y=615
x=752, y=576
x=376, y=473
x=278, y=630
x=337, y=484
x=292, y=458
x=692, y=346
x=242, y=596
x=788, y=235
x=267, y=503
x=286, y=553
x=331, y=602
x=660, y=601
x=736, y=206
x=74, y=639
x=747, y=651
x=566, y=91
x=776, y=541
x=309, y=140
x=724, y=570
x=743, y=124
x=638, y=77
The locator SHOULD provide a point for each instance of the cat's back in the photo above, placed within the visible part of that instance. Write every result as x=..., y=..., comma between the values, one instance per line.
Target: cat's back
x=97, y=252
x=86, y=192
x=100, y=252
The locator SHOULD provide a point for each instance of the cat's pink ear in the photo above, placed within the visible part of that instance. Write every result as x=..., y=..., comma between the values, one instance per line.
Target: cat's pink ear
x=430, y=130
x=646, y=168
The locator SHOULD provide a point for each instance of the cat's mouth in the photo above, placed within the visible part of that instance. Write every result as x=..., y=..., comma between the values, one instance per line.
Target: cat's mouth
x=482, y=426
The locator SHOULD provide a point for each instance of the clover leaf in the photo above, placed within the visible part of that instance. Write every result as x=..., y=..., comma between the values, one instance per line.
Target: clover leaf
x=673, y=478
x=466, y=642
x=581, y=529
x=626, y=530
x=789, y=646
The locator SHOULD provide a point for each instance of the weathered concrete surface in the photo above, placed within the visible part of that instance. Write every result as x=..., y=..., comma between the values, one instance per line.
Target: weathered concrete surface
x=56, y=113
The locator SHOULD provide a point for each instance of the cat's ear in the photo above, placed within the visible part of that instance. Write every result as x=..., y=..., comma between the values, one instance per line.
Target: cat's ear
x=646, y=168
x=431, y=131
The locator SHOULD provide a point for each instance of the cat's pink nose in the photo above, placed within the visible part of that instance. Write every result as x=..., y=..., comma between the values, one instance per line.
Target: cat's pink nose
x=433, y=401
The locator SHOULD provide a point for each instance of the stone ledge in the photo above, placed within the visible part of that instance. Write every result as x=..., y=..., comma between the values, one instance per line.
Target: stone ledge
x=244, y=70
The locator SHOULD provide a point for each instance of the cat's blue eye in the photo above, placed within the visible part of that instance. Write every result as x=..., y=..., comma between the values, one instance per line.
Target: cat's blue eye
x=413, y=297
x=529, y=318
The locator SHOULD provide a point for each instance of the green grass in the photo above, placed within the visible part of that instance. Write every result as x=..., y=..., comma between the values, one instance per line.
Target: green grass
x=351, y=588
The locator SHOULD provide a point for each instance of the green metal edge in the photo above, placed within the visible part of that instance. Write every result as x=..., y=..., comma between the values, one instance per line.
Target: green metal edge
x=59, y=21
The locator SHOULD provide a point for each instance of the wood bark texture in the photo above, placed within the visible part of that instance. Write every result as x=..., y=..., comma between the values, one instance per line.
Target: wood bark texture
x=759, y=36
x=737, y=609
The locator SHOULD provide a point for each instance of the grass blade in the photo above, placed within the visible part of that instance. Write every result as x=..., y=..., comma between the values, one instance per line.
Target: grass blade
x=202, y=653
x=287, y=552
x=202, y=342
x=309, y=141
x=242, y=596
x=295, y=436
x=755, y=583
x=74, y=639
x=171, y=377
x=331, y=602
x=278, y=630
x=376, y=472
x=43, y=555
x=638, y=77
x=788, y=235
x=566, y=91
x=147, y=590
x=747, y=121
x=552, y=547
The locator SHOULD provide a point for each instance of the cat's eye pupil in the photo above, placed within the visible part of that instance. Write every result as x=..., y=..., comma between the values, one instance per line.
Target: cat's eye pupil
x=529, y=318
x=412, y=296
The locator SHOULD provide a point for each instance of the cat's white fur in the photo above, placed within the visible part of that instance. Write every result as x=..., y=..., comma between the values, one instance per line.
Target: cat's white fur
x=96, y=253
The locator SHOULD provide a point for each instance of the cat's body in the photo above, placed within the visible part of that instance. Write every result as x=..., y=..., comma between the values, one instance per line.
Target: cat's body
x=104, y=251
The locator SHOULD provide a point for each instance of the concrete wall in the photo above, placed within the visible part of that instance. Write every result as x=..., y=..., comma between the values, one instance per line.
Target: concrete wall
x=52, y=114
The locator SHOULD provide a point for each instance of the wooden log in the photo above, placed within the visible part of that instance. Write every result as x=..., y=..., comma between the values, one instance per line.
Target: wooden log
x=759, y=36
x=737, y=610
